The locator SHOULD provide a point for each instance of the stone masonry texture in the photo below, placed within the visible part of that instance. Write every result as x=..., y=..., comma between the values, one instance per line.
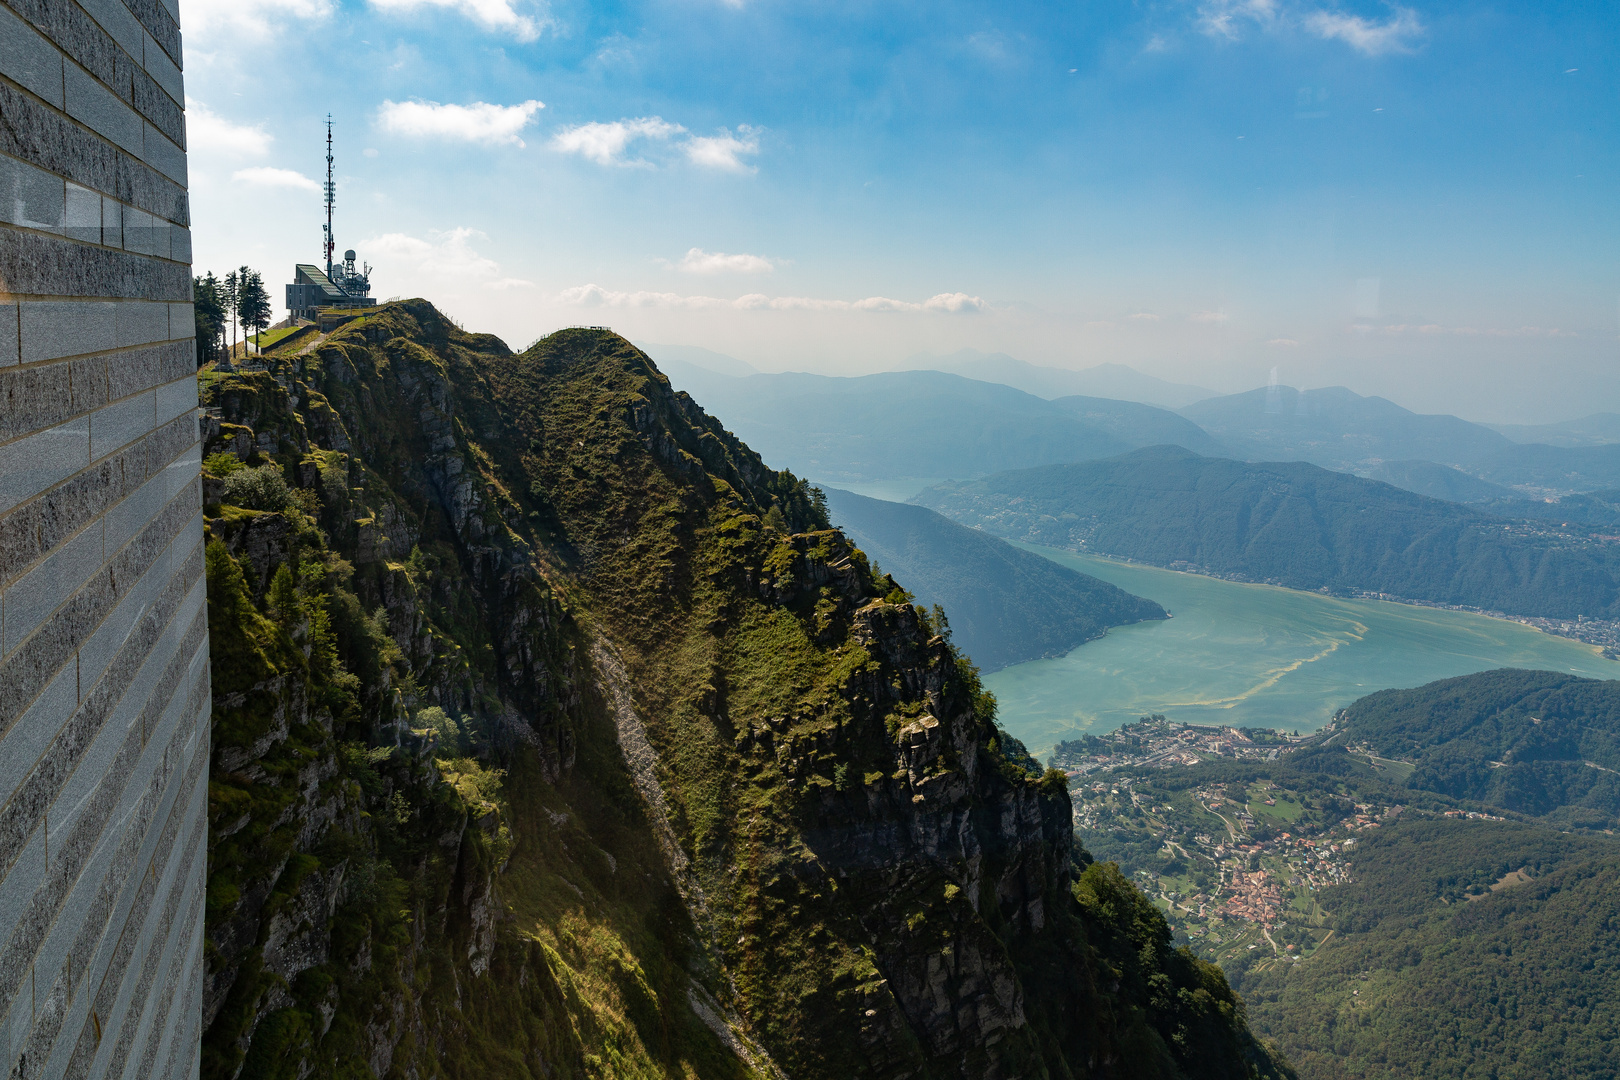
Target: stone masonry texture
x=104, y=695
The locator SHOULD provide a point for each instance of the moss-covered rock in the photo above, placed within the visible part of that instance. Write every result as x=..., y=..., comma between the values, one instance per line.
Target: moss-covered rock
x=557, y=735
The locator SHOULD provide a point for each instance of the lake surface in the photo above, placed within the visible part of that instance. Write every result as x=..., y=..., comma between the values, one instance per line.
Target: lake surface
x=887, y=490
x=1256, y=656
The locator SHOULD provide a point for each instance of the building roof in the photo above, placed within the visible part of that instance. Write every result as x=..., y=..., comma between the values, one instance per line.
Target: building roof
x=309, y=274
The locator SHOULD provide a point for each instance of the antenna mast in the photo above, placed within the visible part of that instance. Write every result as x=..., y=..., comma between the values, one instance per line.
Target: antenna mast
x=331, y=196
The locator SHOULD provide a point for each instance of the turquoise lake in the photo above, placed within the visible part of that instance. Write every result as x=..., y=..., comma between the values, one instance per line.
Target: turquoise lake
x=1256, y=656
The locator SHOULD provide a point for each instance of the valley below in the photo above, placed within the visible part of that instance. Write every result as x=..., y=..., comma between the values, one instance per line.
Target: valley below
x=1256, y=656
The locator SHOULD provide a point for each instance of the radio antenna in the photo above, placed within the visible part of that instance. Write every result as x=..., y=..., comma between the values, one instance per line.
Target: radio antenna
x=331, y=196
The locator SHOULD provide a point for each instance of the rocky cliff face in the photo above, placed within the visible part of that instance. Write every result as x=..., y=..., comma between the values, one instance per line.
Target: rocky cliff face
x=556, y=735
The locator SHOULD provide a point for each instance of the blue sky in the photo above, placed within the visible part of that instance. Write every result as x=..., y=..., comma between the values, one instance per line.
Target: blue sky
x=1417, y=201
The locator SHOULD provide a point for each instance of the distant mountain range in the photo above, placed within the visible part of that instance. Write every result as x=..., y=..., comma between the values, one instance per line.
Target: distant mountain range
x=1594, y=430
x=1103, y=380
x=1292, y=524
x=971, y=414
x=1005, y=606
x=1338, y=429
x=918, y=423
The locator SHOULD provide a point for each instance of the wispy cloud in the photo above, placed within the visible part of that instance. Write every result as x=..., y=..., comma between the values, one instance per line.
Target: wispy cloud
x=479, y=122
x=597, y=296
x=725, y=150
x=446, y=255
x=698, y=261
x=505, y=16
x=1397, y=34
x=205, y=19
x=1143, y=316
x=1230, y=19
x=606, y=143
x=208, y=133
x=1282, y=343
x=1210, y=316
x=1226, y=18
x=630, y=141
x=266, y=176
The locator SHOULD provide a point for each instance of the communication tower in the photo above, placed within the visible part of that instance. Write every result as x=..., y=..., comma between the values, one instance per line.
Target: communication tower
x=341, y=285
x=331, y=196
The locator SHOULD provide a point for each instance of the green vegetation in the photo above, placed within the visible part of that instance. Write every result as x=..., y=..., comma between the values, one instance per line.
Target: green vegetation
x=1006, y=605
x=1376, y=926
x=1462, y=949
x=555, y=735
x=1538, y=743
x=1296, y=525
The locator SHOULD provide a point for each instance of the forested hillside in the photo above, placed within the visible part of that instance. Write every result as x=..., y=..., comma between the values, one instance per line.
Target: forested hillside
x=1539, y=743
x=1293, y=524
x=555, y=735
x=1518, y=978
x=1377, y=930
x=1005, y=605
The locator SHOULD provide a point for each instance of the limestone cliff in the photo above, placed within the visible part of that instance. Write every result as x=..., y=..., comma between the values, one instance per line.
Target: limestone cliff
x=556, y=735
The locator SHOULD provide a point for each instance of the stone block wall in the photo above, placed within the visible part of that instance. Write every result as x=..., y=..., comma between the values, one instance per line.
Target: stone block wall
x=104, y=696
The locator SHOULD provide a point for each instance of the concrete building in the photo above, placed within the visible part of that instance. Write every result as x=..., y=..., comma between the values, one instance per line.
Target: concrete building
x=311, y=290
x=104, y=693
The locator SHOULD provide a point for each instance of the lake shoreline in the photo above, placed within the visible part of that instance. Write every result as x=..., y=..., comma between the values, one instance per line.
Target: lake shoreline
x=1602, y=634
x=1255, y=654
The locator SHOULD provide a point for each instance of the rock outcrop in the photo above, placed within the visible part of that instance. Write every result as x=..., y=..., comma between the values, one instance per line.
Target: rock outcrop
x=557, y=735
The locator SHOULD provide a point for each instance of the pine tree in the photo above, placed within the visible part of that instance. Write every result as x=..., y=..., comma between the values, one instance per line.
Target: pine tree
x=230, y=295
x=209, y=310
x=253, y=301
x=244, y=281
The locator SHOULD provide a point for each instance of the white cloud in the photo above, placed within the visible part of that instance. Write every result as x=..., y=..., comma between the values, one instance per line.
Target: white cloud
x=955, y=303
x=1143, y=316
x=1282, y=343
x=204, y=19
x=597, y=296
x=1229, y=18
x=266, y=176
x=1220, y=18
x=449, y=255
x=500, y=15
x=479, y=122
x=605, y=144
x=1366, y=36
x=208, y=134
x=609, y=143
x=1209, y=316
x=698, y=261
x=722, y=151
x=511, y=283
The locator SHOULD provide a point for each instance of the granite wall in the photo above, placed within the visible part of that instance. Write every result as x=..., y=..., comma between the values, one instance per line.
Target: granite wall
x=104, y=697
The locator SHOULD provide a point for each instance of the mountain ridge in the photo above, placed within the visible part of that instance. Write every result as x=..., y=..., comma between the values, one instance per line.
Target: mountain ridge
x=466, y=603
x=1293, y=524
